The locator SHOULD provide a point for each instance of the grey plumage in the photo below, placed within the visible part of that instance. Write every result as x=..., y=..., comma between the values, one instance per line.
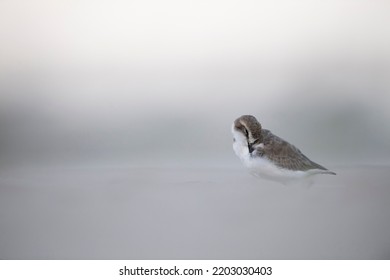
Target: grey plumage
x=284, y=154
x=262, y=143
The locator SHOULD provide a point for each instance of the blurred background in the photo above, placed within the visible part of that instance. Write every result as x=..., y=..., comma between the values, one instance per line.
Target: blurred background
x=160, y=82
x=115, y=121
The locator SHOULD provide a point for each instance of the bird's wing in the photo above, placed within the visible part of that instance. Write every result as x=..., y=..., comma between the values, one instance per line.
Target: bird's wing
x=285, y=155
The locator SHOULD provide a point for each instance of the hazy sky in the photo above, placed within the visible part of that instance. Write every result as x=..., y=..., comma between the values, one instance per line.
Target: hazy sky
x=147, y=78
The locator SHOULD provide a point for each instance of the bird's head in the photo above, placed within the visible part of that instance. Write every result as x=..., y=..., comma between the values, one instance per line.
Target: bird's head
x=246, y=129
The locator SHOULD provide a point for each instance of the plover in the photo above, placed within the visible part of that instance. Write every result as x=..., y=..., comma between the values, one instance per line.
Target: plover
x=269, y=156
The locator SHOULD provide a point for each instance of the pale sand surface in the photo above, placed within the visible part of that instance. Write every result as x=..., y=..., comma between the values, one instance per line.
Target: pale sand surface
x=191, y=213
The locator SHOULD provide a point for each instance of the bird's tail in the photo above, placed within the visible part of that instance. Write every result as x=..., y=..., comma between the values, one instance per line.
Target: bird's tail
x=327, y=172
x=320, y=169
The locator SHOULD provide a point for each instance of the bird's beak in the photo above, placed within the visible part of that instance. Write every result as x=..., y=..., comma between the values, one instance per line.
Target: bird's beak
x=250, y=147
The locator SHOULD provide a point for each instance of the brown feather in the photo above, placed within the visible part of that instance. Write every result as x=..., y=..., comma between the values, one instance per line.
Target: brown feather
x=284, y=154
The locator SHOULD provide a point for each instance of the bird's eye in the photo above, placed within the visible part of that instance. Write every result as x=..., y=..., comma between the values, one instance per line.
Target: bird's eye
x=246, y=132
x=234, y=139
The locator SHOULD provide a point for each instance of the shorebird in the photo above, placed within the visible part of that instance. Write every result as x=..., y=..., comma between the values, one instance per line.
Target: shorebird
x=269, y=156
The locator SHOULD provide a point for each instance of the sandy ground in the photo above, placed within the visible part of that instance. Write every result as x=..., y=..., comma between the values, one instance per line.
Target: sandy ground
x=191, y=213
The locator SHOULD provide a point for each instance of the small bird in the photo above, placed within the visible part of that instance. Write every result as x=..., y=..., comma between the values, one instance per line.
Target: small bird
x=269, y=156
